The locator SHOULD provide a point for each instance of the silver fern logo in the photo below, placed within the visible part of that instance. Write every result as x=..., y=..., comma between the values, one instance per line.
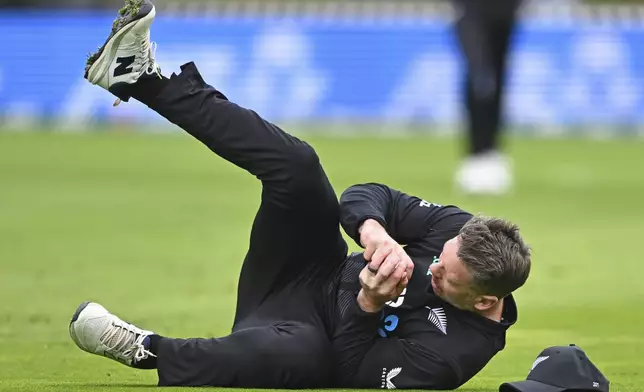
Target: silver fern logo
x=388, y=376
x=438, y=318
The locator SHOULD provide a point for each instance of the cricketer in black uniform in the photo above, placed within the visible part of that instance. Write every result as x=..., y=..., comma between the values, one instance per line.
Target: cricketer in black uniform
x=484, y=30
x=308, y=315
x=422, y=341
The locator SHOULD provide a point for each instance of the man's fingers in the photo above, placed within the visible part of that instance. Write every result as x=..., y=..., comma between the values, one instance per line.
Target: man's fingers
x=386, y=288
x=366, y=277
x=393, y=280
x=409, y=267
x=368, y=252
x=388, y=265
x=399, y=289
x=379, y=256
x=375, y=278
x=402, y=283
x=388, y=271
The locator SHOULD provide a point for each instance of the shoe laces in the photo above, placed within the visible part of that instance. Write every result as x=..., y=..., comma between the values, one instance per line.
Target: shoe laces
x=149, y=48
x=122, y=339
x=153, y=68
x=148, y=51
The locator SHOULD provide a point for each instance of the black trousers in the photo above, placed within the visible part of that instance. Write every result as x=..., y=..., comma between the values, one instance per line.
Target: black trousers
x=280, y=336
x=484, y=30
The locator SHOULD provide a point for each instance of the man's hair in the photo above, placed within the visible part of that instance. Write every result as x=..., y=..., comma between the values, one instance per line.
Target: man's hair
x=495, y=254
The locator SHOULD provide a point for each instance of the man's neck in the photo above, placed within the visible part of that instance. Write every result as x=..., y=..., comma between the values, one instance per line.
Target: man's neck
x=495, y=313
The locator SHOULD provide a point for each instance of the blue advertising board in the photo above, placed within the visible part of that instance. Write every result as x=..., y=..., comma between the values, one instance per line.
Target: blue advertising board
x=314, y=69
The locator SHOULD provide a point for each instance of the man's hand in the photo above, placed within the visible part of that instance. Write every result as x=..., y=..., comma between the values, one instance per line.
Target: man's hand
x=388, y=270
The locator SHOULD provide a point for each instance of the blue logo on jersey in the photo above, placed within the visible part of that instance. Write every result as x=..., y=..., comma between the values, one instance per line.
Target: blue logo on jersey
x=389, y=325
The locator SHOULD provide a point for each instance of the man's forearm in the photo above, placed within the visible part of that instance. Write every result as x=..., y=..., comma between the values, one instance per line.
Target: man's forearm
x=353, y=338
x=362, y=202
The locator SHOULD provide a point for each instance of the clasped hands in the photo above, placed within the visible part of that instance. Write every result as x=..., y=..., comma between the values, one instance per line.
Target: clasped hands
x=388, y=268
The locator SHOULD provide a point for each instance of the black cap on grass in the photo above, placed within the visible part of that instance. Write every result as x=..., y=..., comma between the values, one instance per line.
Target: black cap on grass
x=560, y=369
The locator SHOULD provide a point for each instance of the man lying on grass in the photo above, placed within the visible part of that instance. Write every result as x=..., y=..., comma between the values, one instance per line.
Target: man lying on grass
x=427, y=315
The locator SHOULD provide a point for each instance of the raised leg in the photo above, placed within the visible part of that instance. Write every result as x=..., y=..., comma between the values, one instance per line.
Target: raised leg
x=296, y=234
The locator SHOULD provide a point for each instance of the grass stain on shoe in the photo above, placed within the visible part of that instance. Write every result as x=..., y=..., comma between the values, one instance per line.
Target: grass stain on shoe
x=129, y=10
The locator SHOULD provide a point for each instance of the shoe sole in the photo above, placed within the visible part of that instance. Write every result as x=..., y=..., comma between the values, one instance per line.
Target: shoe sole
x=134, y=12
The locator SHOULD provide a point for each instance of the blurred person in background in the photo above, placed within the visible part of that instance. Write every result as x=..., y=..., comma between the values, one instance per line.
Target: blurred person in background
x=484, y=30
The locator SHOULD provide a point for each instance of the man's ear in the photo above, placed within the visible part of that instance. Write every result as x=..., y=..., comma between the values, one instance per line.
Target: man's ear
x=485, y=302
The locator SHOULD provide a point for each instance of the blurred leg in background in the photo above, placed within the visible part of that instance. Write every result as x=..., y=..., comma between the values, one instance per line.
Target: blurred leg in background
x=484, y=30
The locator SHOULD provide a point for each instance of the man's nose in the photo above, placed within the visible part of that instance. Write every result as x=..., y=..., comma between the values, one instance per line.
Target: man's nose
x=434, y=269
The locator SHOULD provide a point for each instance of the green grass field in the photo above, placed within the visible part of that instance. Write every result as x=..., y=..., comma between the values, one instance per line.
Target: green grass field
x=155, y=228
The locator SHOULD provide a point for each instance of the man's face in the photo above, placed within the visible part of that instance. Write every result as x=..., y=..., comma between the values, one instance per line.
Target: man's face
x=451, y=280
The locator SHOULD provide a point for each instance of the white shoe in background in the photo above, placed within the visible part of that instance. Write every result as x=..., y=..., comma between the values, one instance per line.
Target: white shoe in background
x=489, y=173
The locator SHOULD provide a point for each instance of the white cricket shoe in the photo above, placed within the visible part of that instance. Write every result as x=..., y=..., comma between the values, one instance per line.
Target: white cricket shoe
x=128, y=53
x=489, y=174
x=99, y=332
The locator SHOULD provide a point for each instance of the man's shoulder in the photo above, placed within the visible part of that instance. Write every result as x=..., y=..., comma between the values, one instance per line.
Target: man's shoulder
x=462, y=339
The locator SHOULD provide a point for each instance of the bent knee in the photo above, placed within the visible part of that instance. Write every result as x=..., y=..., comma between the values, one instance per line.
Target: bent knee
x=300, y=182
x=302, y=158
x=306, y=174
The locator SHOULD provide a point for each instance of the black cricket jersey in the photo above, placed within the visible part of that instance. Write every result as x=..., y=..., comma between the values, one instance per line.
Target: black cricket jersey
x=418, y=341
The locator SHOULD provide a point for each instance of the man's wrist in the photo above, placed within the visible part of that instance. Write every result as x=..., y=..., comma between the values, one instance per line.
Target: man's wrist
x=366, y=304
x=366, y=229
x=365, y=224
